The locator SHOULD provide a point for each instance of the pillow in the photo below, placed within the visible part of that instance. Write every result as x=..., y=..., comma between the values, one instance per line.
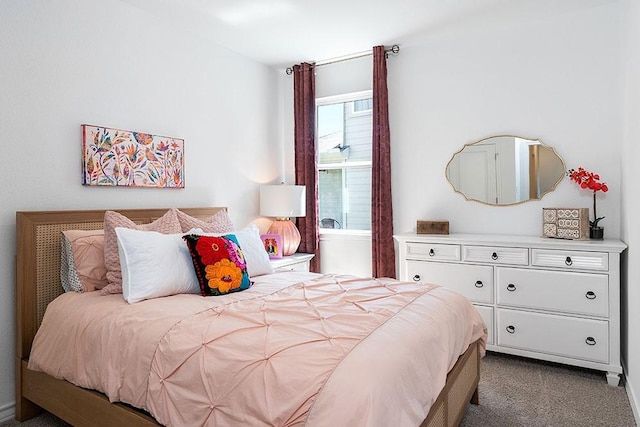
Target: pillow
x=219, y=264
x=217, y=223
x=253, y=249
x=68, y=273
x=154, y=265
x=254, y=252
x=82, y=267
x=166, y=224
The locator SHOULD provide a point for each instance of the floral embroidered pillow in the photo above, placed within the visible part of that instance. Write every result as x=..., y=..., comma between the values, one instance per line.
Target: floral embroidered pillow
x=219, y=263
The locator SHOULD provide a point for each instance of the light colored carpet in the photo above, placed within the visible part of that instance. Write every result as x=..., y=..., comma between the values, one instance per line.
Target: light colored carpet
x=516, y=391
x=520, y=392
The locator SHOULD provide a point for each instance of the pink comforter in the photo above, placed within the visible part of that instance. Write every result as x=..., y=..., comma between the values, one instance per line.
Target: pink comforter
x=294, y=349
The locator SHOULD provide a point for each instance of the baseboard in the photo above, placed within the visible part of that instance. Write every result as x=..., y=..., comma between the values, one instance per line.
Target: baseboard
x=7, y=412
x=633, y=400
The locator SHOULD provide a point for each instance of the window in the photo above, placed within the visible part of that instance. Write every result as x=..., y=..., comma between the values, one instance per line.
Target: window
x=344, y=161
x=362, y=106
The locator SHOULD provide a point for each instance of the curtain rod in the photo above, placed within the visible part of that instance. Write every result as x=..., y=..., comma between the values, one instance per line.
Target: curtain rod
x=395, y=49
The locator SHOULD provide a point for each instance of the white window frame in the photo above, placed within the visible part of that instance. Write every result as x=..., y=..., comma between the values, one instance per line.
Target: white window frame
x=346, y=97
x=335, y=99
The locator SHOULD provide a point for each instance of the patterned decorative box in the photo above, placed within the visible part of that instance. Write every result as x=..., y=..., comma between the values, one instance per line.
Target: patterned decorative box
x=565, y=223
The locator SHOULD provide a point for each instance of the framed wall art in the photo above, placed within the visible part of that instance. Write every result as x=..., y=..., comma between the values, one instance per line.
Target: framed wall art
x=273, y=245
x=116, y=157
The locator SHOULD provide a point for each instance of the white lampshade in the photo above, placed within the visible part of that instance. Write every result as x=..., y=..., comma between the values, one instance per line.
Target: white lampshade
x=282, y=201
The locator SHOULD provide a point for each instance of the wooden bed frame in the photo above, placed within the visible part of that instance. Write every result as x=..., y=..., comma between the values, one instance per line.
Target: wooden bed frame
x=38, y=283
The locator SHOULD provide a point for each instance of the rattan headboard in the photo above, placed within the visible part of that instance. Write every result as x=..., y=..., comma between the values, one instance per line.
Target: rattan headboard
x=38, y=259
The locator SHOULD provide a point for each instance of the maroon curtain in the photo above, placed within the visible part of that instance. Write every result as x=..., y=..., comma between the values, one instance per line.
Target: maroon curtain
x=304, y=109
x=383, y=252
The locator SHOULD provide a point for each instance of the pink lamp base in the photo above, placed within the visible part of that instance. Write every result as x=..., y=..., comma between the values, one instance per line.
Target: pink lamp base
x=289, y=234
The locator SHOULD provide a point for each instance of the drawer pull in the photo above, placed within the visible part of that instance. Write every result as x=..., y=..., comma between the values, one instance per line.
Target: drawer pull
x=479, y=284
x=416, y=278
x=590, y=295
x=432, y=252
x=590, y=341
x=511, y=287
x=511, y=329
x=494, y=256
x=568, y=261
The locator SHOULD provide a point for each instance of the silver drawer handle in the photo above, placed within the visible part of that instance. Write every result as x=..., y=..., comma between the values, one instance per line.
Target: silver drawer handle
x=568, y=261
x=590, y=341
x=511, y=287
x=590, y=295
x=511, y=329
x=416, y=278
x=432, y=252
x=494, y=256
x=479, y=284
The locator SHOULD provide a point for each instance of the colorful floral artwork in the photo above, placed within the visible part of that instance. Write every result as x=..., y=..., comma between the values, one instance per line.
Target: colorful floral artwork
x=115, y=157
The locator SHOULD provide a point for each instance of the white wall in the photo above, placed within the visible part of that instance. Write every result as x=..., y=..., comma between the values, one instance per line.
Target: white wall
x=556, y=79
x=64, y=63
x=553, y=78
x=630, y=207
x=355, y=249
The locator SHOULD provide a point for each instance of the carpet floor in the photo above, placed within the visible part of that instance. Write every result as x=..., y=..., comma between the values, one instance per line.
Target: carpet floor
x=515, y=392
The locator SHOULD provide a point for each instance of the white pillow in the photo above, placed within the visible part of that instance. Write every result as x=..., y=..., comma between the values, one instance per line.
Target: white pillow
x=254, y=252
x=255, y=255
x=154, y=265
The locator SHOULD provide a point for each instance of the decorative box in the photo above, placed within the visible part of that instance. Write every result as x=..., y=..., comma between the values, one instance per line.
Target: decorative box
x=565, y=223
x=432, y=227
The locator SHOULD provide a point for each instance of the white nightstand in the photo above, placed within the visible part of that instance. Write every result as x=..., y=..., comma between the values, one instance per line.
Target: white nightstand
x=295, y=262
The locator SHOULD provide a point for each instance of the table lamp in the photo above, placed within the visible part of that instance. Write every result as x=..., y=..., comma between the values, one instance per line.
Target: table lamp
x=284, y=202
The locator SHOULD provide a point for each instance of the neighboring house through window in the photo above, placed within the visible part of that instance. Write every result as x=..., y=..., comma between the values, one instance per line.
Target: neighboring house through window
x=344, y=161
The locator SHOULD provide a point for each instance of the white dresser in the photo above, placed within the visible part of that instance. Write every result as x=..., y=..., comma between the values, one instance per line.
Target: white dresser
x=549, y=299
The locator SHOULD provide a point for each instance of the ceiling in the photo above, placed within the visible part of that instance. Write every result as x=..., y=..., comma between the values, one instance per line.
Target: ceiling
x=280, y=33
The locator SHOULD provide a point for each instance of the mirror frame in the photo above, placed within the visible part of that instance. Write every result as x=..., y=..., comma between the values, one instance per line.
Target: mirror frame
x=555, y=185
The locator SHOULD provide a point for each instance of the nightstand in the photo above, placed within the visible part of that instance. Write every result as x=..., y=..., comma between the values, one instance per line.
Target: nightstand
x=295, y=262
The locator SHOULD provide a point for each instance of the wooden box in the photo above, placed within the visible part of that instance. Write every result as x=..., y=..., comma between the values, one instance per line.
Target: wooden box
x=432, y=227
x=566, y=223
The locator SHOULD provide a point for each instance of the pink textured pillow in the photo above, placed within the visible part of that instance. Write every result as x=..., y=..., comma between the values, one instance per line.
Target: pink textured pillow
x=217, y=223
x=82, y=266
x=166, y=224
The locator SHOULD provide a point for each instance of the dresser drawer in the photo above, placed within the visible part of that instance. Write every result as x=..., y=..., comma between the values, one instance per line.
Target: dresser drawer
x=487, y=315
x=584, y=339
x=473, y=281
x=496, y=255
x=433, y=252
x=574, y=260
x=562, y=291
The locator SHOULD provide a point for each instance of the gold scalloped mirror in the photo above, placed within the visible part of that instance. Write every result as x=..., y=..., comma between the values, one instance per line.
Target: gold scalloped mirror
x=505, y=170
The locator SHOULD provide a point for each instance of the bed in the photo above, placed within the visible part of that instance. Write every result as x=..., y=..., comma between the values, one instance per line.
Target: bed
x=38, y=284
